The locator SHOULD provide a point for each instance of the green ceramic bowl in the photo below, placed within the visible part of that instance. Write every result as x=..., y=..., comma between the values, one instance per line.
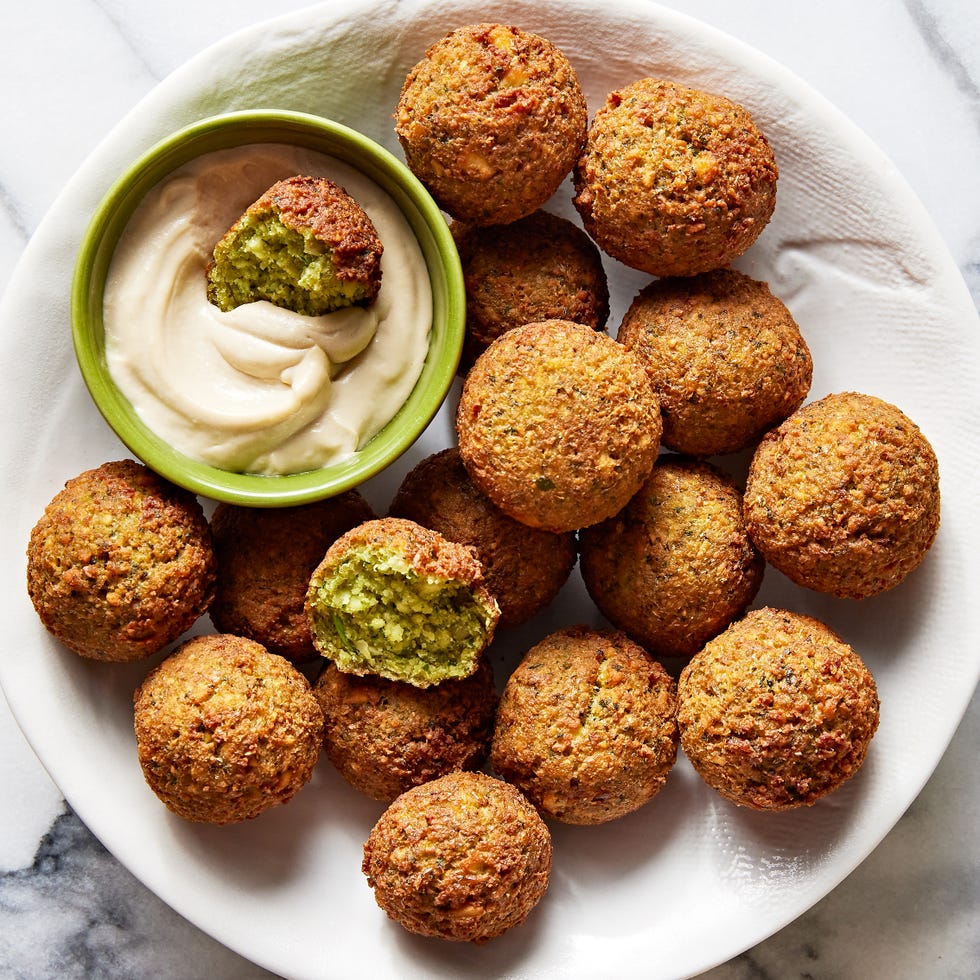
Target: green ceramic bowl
x=312, y=132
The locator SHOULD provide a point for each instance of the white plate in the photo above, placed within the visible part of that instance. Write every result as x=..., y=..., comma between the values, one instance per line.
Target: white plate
x=688, y=881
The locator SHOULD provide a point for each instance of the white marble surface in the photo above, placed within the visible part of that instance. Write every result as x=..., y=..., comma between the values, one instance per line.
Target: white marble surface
x=907, y=72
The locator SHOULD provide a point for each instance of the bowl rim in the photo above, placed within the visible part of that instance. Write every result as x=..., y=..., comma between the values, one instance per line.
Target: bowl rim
x=241, y=128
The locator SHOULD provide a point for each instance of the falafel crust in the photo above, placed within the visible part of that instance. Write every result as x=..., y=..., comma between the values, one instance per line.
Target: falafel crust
x=305, y=245
x=384, y=737
x=225, y=730
x=558, y=425
x=491, y=120
x=673, y=180
x=265, y=559
x=464, y=857
x=727, y=358
x=121, y=563
x=524, y=567
x=586, y=726
x=777, y=712
x=540, y=267
x=843, y=497
x=676, y=565
x=398, y=600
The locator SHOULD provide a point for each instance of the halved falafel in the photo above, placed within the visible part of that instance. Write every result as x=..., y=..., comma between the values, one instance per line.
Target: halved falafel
x=393, y=598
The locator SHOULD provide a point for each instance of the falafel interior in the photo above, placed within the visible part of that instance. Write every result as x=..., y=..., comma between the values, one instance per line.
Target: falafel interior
x=376, y=614
x=295, y=262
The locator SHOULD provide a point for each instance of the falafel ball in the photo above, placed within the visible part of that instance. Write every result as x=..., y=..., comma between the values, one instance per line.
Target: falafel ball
x=676, y=565
x=777, y=711
x=673, y=180
x=225, y=730
x=586, y=726
x=491, y=120
x=305, y=245
x=385, y=737
x=464, y=857
x=843, y=497
x=558, y=425
x=399, y=600
x=265, y=559
x=121, y=563
x=540, y=267
x=727, y=358
x=523, y=567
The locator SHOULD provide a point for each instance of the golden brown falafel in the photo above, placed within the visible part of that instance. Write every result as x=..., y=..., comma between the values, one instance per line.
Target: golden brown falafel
x=464, y=857
x=558, y=425
x=726, y=355
x=777, y=711
x=385, y=737
x=586, y=726
x=305, y=245
x=225, y=730
x=491, y=120
x=843, y=497
x=121, y=563
x=676, y=565
x=524, y=568
x=541, y=267
x=265, y=559
x=674, y=180
x=398, y=600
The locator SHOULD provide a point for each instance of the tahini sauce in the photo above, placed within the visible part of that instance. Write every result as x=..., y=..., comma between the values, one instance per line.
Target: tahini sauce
x=258, y=389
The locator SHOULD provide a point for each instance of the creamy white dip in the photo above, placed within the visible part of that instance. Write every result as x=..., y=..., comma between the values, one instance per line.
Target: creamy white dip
x=259, y=389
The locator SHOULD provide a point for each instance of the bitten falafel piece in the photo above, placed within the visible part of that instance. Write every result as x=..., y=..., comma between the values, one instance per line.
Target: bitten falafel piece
x=673, y=180
x=541, y=267
x=523, y=567
x=491, y=120
x=727, y=359
x=464, y=858
x=384, y=737
x=586, y=726
x=121, y=563
x=843, y=497
x=676, y=565
x=398, y=600
x=265, y=559
x=558, y=425
x=305, y=245
x=777, y=711
x=225, y=730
